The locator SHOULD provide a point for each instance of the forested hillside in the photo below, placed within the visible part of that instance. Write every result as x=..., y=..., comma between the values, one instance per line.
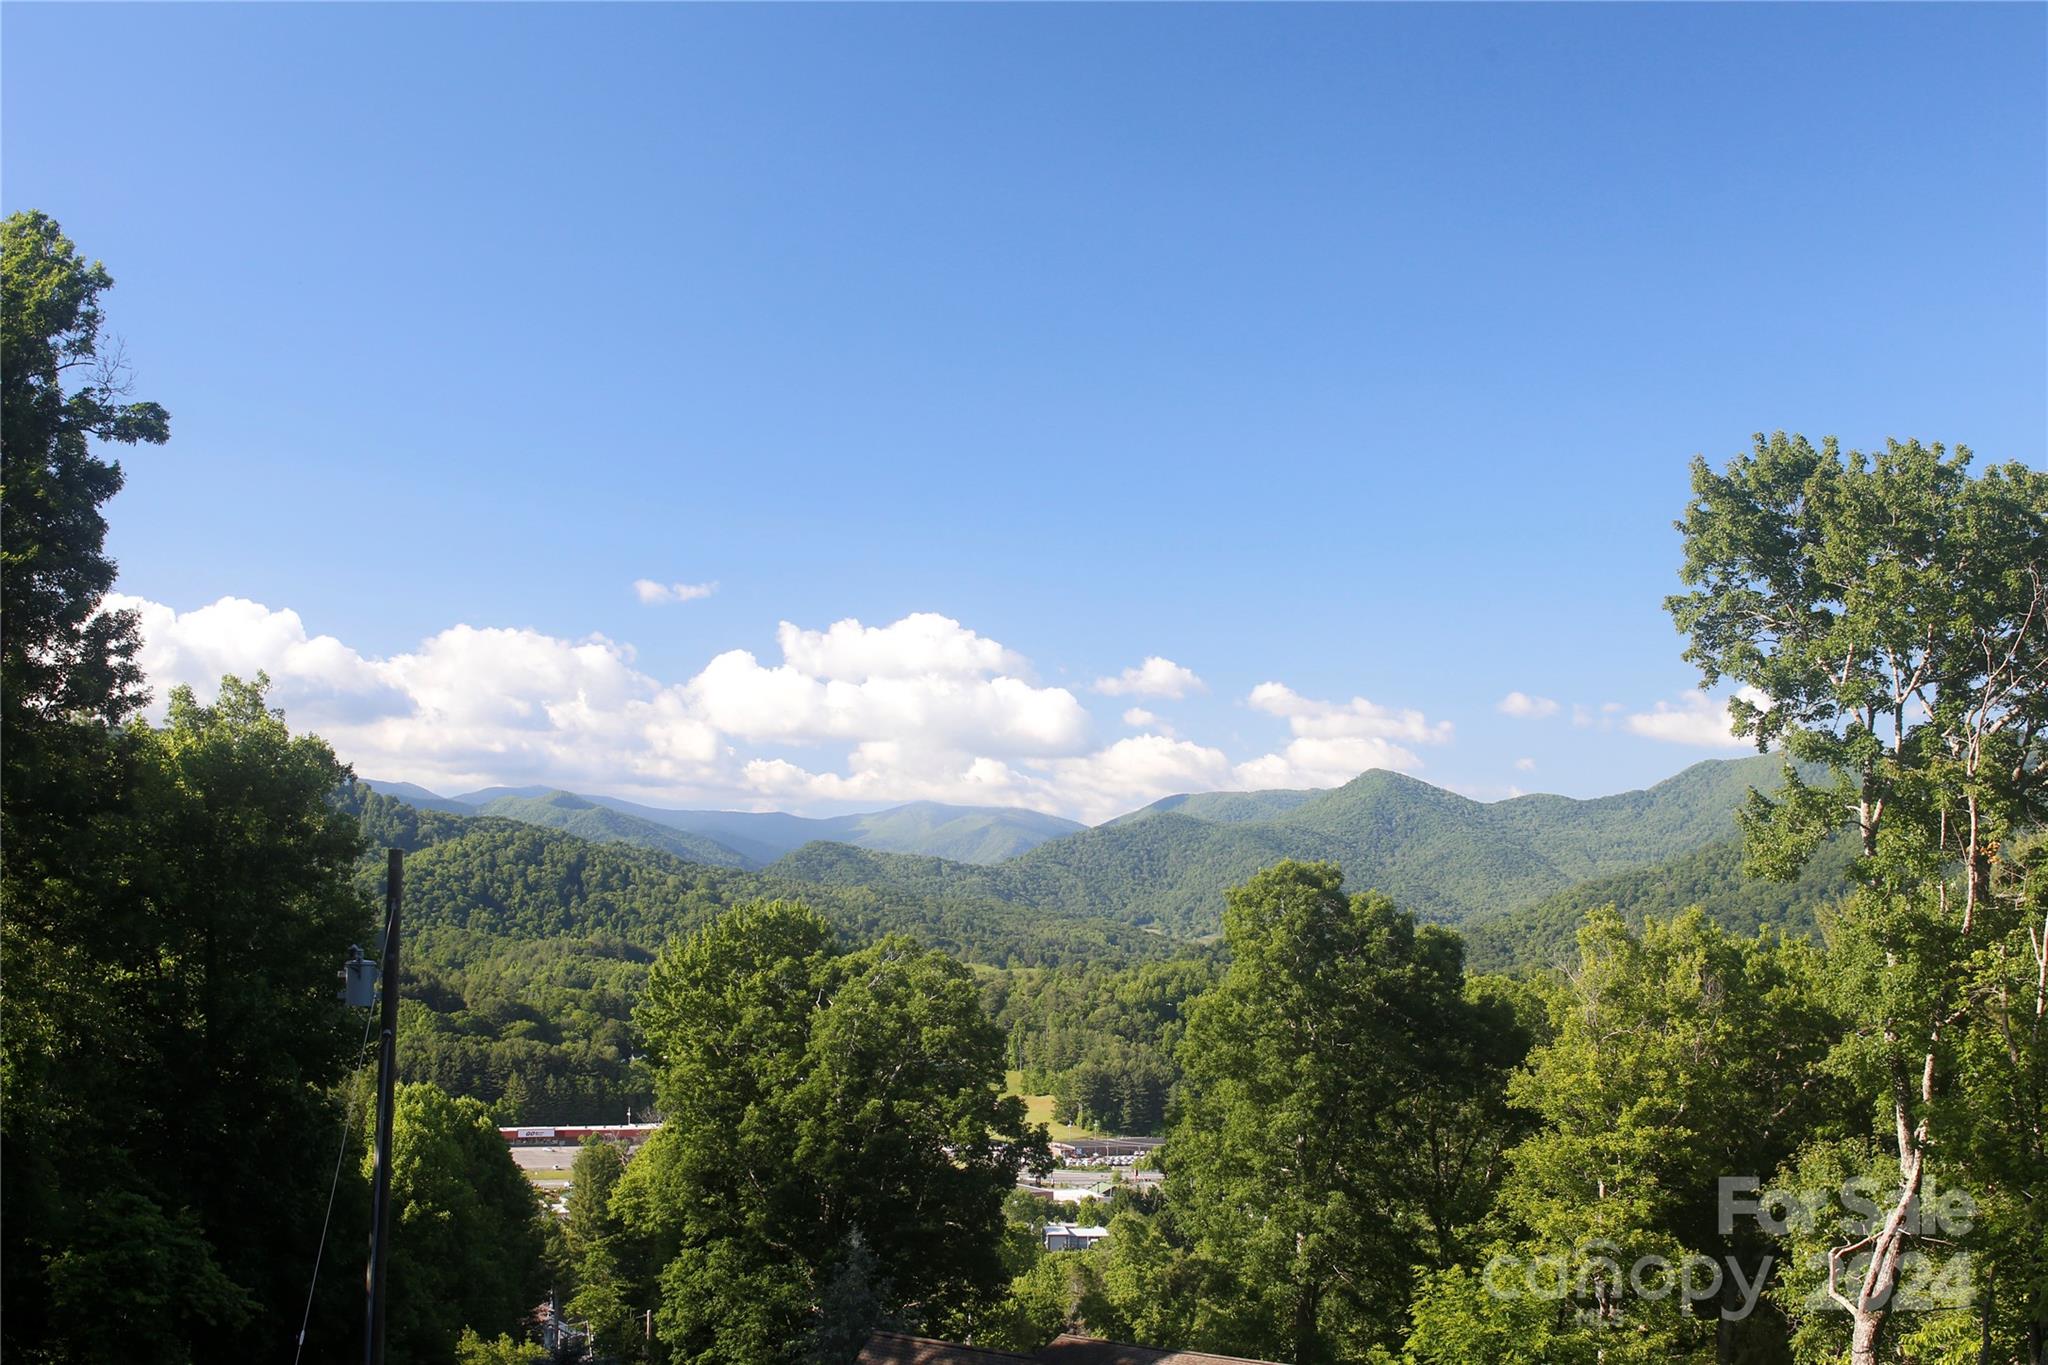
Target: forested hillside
x=1545, y=934
x=586, y=819
x=520, y=881
x=527, y=947
x=534, y=923
x=1450, y=858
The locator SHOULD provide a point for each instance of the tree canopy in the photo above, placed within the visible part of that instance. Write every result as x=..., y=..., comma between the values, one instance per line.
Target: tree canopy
x=832, y=1116
x=1887, y=617
x=60, y=655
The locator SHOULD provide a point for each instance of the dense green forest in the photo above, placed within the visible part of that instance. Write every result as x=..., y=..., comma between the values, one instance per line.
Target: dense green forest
x=534, y=1021
x=1448, y=857
x=182, y=1133
x=530, y=946
x=1101, y=1039
x=1712, y=878
x=1166, y=866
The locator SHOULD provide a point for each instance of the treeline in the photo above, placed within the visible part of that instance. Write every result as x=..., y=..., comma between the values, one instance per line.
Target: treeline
x=541, y=1032
x=539, y=1026
x=518, y=881
x=529, y=947
x=1101, y=1040
x=183, y=1128
x=1714, y=878
x=1446, y=857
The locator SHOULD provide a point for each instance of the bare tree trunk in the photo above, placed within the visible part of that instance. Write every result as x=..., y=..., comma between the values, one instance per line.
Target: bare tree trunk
x=1872, y=1307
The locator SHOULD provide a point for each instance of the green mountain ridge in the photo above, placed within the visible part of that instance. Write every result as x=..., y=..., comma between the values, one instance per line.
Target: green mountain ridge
x=1164, y=869
x=1545, y=934
x=754, y=839
x=1442, y=855
x=505, y=879
x=602, y=825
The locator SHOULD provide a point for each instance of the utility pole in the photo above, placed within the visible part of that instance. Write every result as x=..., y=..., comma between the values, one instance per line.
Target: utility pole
x=387, y=1080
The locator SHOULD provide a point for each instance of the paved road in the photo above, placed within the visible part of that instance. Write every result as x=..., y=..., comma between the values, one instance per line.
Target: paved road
x=545, y=1165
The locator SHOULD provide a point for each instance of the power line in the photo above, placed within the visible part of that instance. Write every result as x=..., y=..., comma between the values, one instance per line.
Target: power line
x=334, y=1186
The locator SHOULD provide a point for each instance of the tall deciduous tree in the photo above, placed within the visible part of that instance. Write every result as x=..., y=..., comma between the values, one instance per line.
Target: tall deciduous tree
x=172, y=1039
x=831, y=1117
x=59, y=654
x=1886, y=615
x=466, y=1239
x=1679, y=1055
x=173, y=902
x=609, y=1262
x=1301, y=1173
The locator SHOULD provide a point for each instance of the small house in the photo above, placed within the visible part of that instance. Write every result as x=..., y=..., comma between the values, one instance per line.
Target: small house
x=1072, y=1236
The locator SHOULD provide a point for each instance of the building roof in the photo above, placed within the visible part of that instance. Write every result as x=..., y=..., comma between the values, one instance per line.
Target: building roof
x=1075, y=1230
x=1068, y=1349
x=893, y=1348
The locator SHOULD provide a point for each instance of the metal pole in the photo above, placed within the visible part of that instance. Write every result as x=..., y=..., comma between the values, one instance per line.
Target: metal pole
x=387, y=1079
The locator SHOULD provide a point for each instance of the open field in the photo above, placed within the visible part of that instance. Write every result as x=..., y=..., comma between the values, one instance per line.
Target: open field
x=1038, y=1108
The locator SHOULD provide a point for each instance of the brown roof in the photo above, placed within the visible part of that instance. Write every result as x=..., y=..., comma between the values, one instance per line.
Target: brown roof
x=1068, y=1349
x=893, y=1348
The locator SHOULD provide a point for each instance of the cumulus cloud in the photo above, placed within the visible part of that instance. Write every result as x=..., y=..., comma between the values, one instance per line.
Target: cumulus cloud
x=926, y=681
x=1528, y=707
x=1695, y=719
x=661, y=594
x=467, y=707
x=1335, y=741
x=922, y=707
x=235, y=635
x=1137, y=771
x=1156, y=677
x=1355, y=719
x=1525, y=765
x=923, y=644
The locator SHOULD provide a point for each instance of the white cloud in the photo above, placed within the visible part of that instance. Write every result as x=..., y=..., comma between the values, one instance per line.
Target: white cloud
x=1156, y=677
x=919, y=708
x=467, y=707
x=1528, y=707
x=1525, y=765
x=234, y=635
x=656, y=594
x=1695, y=719
x=923, y=644
x=1357, y=718
x=791, y=704
x=1137, y=771
x=1335, y=741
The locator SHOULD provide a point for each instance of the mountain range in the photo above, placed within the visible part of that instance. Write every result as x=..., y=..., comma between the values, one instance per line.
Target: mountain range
x=1164, y=868
x=754, y=839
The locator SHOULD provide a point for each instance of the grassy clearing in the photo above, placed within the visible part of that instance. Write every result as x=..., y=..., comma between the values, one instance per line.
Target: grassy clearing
x=1038, y=1109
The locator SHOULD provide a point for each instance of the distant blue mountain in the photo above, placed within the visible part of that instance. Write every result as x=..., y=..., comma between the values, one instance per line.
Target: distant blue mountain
x=961, y=834
x=419, y=796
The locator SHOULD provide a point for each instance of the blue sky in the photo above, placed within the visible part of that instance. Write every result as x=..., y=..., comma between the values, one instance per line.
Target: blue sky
x=1357, y=350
